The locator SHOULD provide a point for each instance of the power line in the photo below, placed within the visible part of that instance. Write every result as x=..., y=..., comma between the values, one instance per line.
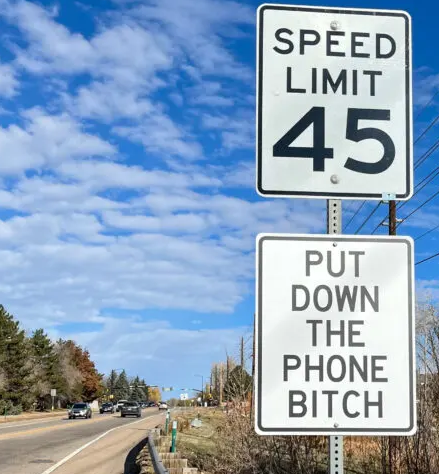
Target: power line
x=427, y=232
x=427, y=104
x=418, y=208
x=427, y=181
x=430, y=125
x=427, y=154
x=428, y=258
x=368, y=217
x=379, y=225
x=355, y=214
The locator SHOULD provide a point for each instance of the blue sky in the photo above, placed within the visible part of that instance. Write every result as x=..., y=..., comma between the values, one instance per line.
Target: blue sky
x=127, y=201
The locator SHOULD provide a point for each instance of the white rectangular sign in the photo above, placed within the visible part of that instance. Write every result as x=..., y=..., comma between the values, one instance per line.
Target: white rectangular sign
x=184, y=396
x=334, y=95
x=335, y=335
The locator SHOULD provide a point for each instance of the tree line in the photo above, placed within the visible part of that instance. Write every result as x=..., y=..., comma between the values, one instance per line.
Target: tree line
x=32, y=365
x=121, y=387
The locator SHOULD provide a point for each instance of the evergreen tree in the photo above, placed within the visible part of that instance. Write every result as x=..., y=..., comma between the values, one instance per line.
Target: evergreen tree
x=238, y=384
x=145, y=389
x=111, y=382
x=15, y=365
x=137, y=391
x=46, y=368
x=122, y=388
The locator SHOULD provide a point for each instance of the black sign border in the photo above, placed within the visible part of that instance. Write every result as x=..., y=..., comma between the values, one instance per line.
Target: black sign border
x=258, y=385
x=408, y=102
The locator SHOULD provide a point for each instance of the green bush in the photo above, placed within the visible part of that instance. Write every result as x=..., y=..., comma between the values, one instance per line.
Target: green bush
x=7, y=408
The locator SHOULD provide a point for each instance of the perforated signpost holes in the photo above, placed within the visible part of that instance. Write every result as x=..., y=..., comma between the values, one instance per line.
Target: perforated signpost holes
x=335, y=335
x=333, y=102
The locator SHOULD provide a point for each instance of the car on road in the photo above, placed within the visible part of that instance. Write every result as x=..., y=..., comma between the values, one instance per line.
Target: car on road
x=120, y=404
x=131, y=409
x=106, y=408
x=152, y=404
x=80, y=410
x=163, y=406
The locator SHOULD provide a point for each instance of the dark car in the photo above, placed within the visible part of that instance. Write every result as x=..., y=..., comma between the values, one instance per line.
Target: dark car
x=152, y=404
x=131, y=409
x=107, y=408
x=80, y=410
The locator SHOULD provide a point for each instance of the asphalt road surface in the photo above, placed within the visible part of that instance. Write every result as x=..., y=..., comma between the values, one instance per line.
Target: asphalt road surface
x=36, y=447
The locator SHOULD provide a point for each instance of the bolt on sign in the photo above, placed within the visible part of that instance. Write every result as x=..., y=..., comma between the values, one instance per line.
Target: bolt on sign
x=335, y=335
x=334, y=103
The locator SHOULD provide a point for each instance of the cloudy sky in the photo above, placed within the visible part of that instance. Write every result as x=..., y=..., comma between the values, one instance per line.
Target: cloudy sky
x=127, y=201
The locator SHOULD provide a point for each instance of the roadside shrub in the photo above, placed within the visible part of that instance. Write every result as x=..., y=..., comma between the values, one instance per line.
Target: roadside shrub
x=7, y=408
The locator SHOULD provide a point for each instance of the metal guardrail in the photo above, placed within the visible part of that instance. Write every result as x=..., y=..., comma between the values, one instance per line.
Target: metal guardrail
x=155, y=457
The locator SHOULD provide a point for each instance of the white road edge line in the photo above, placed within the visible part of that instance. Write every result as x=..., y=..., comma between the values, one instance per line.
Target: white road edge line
x=85, y=446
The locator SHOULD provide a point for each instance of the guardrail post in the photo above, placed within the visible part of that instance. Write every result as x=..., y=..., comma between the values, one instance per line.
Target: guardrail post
x=174, y=436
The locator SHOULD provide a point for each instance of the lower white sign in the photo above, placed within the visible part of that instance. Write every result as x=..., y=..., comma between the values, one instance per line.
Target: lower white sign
x=335, y=335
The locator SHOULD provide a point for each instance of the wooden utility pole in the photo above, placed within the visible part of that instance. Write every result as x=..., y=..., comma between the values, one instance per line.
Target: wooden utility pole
x=392, y=217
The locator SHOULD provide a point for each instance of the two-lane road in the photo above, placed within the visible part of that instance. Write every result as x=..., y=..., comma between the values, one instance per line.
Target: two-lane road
x=36, y=447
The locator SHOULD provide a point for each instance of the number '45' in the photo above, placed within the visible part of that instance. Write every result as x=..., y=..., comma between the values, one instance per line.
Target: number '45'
x=318, y=152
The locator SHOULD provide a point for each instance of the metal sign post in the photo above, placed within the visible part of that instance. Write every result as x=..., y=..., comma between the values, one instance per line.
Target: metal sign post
x=334, y=226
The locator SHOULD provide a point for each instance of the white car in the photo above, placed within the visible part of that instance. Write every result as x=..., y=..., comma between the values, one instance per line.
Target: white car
x=163, y=406
x=119, y=404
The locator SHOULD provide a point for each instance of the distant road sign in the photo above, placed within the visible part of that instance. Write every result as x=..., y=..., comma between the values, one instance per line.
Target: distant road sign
x=184, y=396
x=53, y=392
x=335, y=335
x=334, y=113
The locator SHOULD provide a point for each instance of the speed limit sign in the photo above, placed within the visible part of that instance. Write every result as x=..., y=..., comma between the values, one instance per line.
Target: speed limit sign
x=334, y=103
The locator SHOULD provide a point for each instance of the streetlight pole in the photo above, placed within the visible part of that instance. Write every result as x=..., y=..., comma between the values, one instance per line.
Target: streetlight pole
x=202, y=388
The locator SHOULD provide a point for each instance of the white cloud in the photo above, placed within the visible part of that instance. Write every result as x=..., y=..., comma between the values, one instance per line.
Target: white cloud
x=198, y=27
x=175, y=223
x=49, y=195
x=46, y=229
x=124, y=52
x=237, y=132
x=108, y=102
x=159, y=134
x=8, y=81
x=46, y=140
x=100, y=175
x=135, y=342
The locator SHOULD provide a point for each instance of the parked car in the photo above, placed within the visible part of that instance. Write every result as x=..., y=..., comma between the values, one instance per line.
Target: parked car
x=119, y=404
x=82, y=410
x=152, y=404
x=163, y=406
x=131, y=408
x=107, y=408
